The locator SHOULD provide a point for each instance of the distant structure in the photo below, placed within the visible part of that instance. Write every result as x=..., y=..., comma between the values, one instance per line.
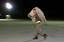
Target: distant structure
x=8, y=16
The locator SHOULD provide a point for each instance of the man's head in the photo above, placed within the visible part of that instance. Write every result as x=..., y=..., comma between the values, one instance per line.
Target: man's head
x=33, y=13
x=34, y=10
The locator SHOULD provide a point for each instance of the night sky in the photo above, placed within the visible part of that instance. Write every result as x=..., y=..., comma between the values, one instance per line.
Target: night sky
x=52, y=9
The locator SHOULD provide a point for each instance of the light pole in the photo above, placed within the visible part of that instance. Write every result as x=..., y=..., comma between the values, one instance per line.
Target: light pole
x=8, y=7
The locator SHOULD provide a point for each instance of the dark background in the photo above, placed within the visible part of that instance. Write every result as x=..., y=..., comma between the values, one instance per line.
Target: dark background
x=52, y=9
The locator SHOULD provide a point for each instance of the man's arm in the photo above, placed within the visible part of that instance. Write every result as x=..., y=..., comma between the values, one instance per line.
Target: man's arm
x=29, y=16
x=44, y=19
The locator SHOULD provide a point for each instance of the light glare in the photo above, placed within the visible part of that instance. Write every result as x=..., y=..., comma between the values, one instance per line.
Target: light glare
x=8, y=6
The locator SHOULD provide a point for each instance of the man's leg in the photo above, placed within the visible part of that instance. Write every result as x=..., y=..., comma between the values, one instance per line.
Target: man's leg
x=40, y=31
x=36, y=36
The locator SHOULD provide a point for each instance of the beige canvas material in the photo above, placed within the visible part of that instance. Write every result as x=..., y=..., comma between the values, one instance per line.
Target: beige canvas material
x=39, y=13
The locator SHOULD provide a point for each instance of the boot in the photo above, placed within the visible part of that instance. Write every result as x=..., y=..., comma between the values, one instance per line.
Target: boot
x=45, y=36
x=36, y=37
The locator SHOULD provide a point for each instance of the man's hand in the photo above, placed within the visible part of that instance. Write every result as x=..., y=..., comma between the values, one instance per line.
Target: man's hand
x=30, y=16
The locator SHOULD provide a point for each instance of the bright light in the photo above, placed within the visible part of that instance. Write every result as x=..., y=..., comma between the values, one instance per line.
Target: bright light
x=8, y=6
x=8, y=16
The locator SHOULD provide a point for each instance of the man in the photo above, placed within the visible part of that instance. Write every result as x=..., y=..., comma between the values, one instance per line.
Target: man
x=39, y=19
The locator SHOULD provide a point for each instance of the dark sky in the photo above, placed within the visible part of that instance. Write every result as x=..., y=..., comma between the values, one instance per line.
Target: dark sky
x=52, y=9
